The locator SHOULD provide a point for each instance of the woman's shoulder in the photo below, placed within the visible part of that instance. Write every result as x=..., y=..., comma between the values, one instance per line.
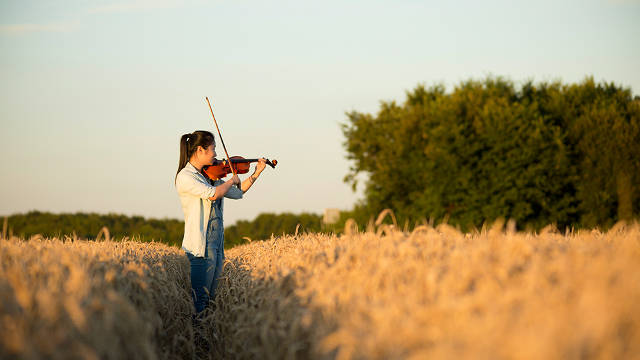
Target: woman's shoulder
x=186, y=174
x=190, y=175
x=186, y=170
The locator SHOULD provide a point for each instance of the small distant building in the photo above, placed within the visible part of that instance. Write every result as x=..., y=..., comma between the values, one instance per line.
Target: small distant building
x=331, y=216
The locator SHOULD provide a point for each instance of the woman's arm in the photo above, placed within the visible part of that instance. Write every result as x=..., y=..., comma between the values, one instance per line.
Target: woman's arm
x=223, y=188
x=246, y=184
x=190, y=184
x=197, y=186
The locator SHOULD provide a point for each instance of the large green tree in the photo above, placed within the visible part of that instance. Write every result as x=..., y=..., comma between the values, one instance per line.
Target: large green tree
x=488, y=150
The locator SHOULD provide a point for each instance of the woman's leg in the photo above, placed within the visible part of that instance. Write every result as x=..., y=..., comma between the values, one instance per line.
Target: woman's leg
x=198, y=282
x=218, y=270
x=212, y=263
x=215, y=253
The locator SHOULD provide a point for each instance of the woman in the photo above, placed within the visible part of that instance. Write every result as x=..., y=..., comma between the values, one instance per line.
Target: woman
x=202, y=205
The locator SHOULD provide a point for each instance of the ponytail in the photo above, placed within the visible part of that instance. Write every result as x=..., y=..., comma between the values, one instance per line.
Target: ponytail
x=189, y=143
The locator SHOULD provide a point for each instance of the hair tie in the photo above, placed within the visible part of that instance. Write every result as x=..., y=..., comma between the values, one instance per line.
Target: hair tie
x=188, y=137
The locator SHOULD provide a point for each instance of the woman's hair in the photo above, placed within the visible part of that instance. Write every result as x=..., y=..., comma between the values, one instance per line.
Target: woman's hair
x=190, y=142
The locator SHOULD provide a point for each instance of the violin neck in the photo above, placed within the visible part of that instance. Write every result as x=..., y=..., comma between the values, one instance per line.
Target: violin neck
x=242, y=161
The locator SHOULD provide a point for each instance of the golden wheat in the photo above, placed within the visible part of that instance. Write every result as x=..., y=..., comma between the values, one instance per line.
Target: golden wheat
x=433, y=293
x=381, y=294
x=94, y=300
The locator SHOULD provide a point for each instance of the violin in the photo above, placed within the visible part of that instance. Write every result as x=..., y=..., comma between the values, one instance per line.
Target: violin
x=239, y=165
x=234, y=164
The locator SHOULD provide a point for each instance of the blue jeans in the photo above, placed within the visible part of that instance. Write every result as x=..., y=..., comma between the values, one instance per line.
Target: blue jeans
x=206, y=270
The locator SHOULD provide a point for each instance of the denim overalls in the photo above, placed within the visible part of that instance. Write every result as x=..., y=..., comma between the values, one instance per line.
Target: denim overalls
x=206, y=270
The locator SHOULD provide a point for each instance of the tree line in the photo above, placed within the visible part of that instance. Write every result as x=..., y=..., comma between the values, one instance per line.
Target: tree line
x=168, y=231
x=546, y=153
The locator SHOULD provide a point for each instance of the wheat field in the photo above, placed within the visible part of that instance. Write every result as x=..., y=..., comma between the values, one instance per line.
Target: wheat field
x=79, y=299
x=433, y=292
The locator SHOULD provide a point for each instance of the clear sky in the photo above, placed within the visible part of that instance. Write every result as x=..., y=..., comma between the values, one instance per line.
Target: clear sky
x=96, y=94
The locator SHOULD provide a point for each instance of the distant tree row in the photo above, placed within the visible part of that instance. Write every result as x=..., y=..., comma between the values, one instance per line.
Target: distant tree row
x=87, y=226
x=168, y=231
x=266, y=224
x=545, y=153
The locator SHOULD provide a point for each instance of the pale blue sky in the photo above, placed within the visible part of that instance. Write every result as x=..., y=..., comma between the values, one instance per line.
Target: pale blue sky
x=95, y=94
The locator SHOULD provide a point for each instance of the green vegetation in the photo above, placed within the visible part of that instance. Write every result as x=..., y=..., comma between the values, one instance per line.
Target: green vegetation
x=266, y=224
x=87, y=226
x=168, y=231
x=547, y=153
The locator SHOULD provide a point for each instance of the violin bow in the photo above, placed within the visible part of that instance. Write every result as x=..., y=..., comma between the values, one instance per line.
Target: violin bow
x=220, y=135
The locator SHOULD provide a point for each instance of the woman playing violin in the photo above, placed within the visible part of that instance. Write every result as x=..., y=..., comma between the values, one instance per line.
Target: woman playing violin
x=201, y=200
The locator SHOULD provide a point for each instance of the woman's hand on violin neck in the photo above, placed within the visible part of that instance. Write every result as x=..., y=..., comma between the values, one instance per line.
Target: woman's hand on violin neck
x=262, y=163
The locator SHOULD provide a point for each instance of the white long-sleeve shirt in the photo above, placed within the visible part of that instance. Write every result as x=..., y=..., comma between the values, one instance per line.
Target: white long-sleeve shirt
x=194, y=191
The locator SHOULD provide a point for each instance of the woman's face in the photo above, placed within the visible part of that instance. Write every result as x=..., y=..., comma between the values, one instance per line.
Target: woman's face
x=208, y=155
